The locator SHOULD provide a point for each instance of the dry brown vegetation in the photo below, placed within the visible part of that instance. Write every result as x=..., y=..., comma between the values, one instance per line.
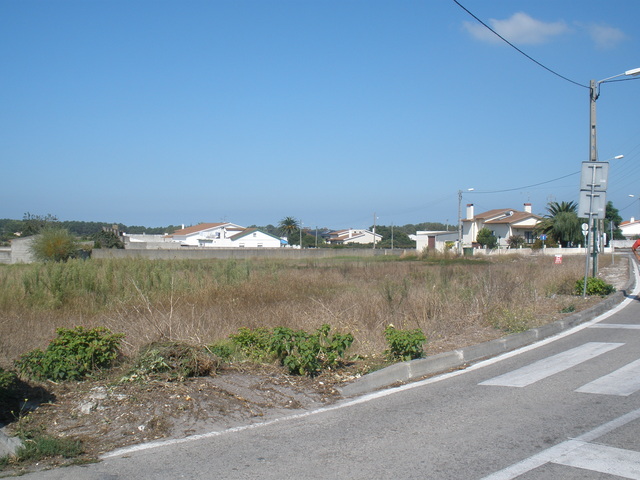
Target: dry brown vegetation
x=451, y=300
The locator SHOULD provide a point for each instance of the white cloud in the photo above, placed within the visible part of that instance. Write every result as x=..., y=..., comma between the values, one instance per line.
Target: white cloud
x=604, y=36
x=519, y=29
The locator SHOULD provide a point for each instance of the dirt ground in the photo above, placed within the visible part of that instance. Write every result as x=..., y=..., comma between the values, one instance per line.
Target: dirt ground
x=107, y=414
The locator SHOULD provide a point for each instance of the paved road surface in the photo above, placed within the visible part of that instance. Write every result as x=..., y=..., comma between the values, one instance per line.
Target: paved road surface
x=566, y=408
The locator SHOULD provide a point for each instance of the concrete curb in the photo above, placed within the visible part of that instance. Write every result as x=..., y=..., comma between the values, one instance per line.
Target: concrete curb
x=406, y=371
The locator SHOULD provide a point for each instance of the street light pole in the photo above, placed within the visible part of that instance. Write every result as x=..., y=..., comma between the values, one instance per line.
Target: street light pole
x=460, y=219
x=594, y=93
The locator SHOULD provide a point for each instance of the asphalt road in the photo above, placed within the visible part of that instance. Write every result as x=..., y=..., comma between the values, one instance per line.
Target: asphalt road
x=567, y=407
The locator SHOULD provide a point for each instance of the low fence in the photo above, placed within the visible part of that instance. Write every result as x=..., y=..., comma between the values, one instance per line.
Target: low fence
x=244, y=253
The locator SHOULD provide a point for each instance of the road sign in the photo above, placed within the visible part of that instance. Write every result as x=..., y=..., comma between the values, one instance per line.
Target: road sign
x=595, y=202
x=543, y=237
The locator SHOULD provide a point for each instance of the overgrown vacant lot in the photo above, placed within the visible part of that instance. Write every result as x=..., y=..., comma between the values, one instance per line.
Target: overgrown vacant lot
x=453, y=301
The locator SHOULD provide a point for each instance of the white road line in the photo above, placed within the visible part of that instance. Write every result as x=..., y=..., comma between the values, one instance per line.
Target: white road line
x=551, y=365
x=622, y=382
x=554, y=453
x=603, y=459
x=624, y=326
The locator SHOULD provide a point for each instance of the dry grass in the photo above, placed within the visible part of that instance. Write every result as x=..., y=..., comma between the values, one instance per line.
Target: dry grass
x=205, y=301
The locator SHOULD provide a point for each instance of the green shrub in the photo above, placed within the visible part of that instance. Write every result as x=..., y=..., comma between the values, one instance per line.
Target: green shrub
x=309, y=353
x=595, y=286
x=301, y=352
x=404, y=345
x=253, y=343
x=54, y=244
x=73, y=355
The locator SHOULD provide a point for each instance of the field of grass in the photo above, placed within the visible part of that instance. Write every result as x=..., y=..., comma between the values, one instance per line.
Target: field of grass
x=205, y=301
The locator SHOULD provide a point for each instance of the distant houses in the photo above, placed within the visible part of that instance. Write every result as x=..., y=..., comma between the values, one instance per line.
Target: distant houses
x=502, y=222
x=208, y=235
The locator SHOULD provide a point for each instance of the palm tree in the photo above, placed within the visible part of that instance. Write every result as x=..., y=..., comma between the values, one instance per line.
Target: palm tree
x=289, y=227
x=562, y=223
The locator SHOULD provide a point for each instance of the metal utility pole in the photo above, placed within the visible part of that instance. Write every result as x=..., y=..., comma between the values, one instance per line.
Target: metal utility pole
x=374, y=230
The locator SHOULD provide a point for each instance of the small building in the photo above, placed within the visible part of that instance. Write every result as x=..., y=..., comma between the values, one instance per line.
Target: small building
x=435, y=240
x=345, y=237
x=503, y=222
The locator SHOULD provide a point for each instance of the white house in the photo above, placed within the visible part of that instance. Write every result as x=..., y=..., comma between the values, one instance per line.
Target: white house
x=206, y=235
x=434, y=240
x=503, y=222
x=224, y=235
x=256, y=238
x=631, y=229
x=342, y=237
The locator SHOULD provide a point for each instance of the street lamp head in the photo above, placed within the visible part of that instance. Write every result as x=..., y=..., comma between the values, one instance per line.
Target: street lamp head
x=618, y=157
x=633, y=72
x=470, y=189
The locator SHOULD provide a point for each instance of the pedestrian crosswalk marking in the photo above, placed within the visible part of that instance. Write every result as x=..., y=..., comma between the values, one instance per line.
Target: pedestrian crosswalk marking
x=603, y=459
x=551, y=365
x=623, y=326
x=623, y=382
x=562, y=453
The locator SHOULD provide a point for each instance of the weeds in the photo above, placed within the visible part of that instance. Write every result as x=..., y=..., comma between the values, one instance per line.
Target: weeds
x=204, y=302
x=404, y=345
x=73, y=355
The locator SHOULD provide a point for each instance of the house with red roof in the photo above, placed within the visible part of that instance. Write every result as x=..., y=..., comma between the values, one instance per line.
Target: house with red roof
x=630, y=229
x=503, y=222
x=343, y=237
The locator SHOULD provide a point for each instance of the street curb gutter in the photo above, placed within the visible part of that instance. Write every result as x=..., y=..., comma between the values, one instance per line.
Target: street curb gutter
x=415, y=369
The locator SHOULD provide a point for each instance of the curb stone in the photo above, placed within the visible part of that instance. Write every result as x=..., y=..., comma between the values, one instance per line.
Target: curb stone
x=8, y=445
x=404, y=372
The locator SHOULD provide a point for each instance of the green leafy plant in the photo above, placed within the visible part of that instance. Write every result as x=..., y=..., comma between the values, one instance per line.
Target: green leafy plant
x=595, y=286
x=303, y=353
x=306, y=353
x=253, y=342
x=404, y=345
x=73, y=355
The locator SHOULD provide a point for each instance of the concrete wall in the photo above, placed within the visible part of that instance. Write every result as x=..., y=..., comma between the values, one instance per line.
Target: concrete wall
x=244, y=253
x=531, y=252
x=5, y=255
x=21, y=250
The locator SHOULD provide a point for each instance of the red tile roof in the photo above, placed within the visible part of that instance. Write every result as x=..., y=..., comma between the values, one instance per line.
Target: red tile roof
x=197, y=228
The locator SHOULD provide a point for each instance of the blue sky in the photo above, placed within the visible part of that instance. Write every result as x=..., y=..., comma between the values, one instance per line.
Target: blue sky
x=153, y=112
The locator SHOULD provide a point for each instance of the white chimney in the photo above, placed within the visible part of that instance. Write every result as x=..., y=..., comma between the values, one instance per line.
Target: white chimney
x=527, y=207
x=470, y=211
x=350, y=233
